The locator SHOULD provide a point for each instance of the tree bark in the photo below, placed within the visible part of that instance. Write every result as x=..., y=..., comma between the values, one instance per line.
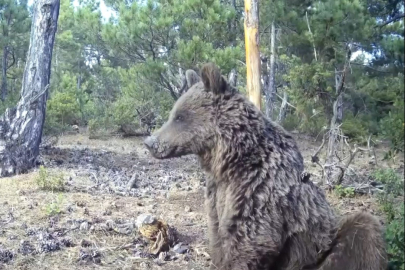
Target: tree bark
x=21, y=126
x=271, y=91
x=233, y=77
x=332, y=172
x=251, y=26
x=283, y=108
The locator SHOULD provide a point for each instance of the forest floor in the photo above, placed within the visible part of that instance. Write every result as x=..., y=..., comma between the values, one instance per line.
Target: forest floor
x=91, y=224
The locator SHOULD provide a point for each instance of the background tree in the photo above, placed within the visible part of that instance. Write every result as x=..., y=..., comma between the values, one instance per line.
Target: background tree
x=21, y=127
x=14, y=30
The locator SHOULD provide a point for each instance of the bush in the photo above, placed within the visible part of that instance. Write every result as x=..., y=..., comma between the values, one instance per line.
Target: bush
x=392, y=125
x=63, y=106
x=291, y=122
x=50, y=181
x=10, y=101
x=52, y=126
x=139, y=106
x=392, y=128
x=55, y=207
x=394, y=185
x=391, y=202
x=344, y=192
x=101, y=128
x=314, y=125
x=354, y=128
x=395, y=240
x=62, y=111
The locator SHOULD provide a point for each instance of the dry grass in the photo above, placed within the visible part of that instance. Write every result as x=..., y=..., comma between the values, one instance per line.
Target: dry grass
x=22, y=202
x=113, y=144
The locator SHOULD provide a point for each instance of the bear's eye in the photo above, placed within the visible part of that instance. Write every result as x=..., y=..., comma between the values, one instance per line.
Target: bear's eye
x=179, y=118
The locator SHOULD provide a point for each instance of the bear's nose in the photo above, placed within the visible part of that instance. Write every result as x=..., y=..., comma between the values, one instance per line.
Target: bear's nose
x=150, y=141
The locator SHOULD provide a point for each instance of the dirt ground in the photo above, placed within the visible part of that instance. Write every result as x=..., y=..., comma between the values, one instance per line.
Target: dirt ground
x=90, y=225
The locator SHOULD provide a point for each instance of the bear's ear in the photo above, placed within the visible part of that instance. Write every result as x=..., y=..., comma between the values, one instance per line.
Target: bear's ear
x=192, y=78
x=212, y=79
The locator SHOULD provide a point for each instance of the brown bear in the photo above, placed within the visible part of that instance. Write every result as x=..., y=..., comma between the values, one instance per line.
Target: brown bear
x=260, y=214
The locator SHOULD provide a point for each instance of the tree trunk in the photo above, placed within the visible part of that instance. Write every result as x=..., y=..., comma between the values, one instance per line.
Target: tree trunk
x=271, y=91
x=251, y=26
x=4, y=73
x=332, y=172
x=233, y=77
x=283, y=108
x=21, y=126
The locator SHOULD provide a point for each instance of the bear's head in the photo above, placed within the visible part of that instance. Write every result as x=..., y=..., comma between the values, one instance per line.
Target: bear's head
x=192, y=124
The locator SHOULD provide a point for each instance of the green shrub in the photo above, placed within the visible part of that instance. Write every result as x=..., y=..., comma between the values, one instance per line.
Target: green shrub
x=63, y=107
x=354, y=128
x=55, y=207
x=291, y=122
x=62, y=112
x=124, y=112
x=50, y=181
x=393, y=184
x=10, y=101
x=344, y=192
x=52, y=126
x=392, y=128
x=101, y=128
x=395, y=239
x=391, y=203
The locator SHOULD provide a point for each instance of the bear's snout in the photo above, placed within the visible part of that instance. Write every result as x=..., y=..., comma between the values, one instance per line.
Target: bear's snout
x=150, y=142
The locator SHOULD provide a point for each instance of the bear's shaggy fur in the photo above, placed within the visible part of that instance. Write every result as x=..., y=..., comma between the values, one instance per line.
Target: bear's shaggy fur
x=260, y=214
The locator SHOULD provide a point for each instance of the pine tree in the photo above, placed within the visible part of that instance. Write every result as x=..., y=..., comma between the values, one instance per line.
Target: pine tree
x=14, y=25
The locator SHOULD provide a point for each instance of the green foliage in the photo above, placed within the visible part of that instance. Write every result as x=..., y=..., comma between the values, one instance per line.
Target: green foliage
x=15, y=25
x=344, y=192
x=393, y=183
x=291, y=122
x=101, y=127
x=391, y=202
x=311, y=45
x=305, y=80
x=62, y=110
x=395, y=239
x=393, y=187
x=120, y=70
x=392, y=127
x=378, y=104
x=353, y=127
x=105, y=71
x=55, y=207
x=63, y=107
x=50, y=181
x=10, y=101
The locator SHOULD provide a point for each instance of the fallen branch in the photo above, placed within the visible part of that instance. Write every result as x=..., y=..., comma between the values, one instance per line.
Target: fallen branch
x=365, y=188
